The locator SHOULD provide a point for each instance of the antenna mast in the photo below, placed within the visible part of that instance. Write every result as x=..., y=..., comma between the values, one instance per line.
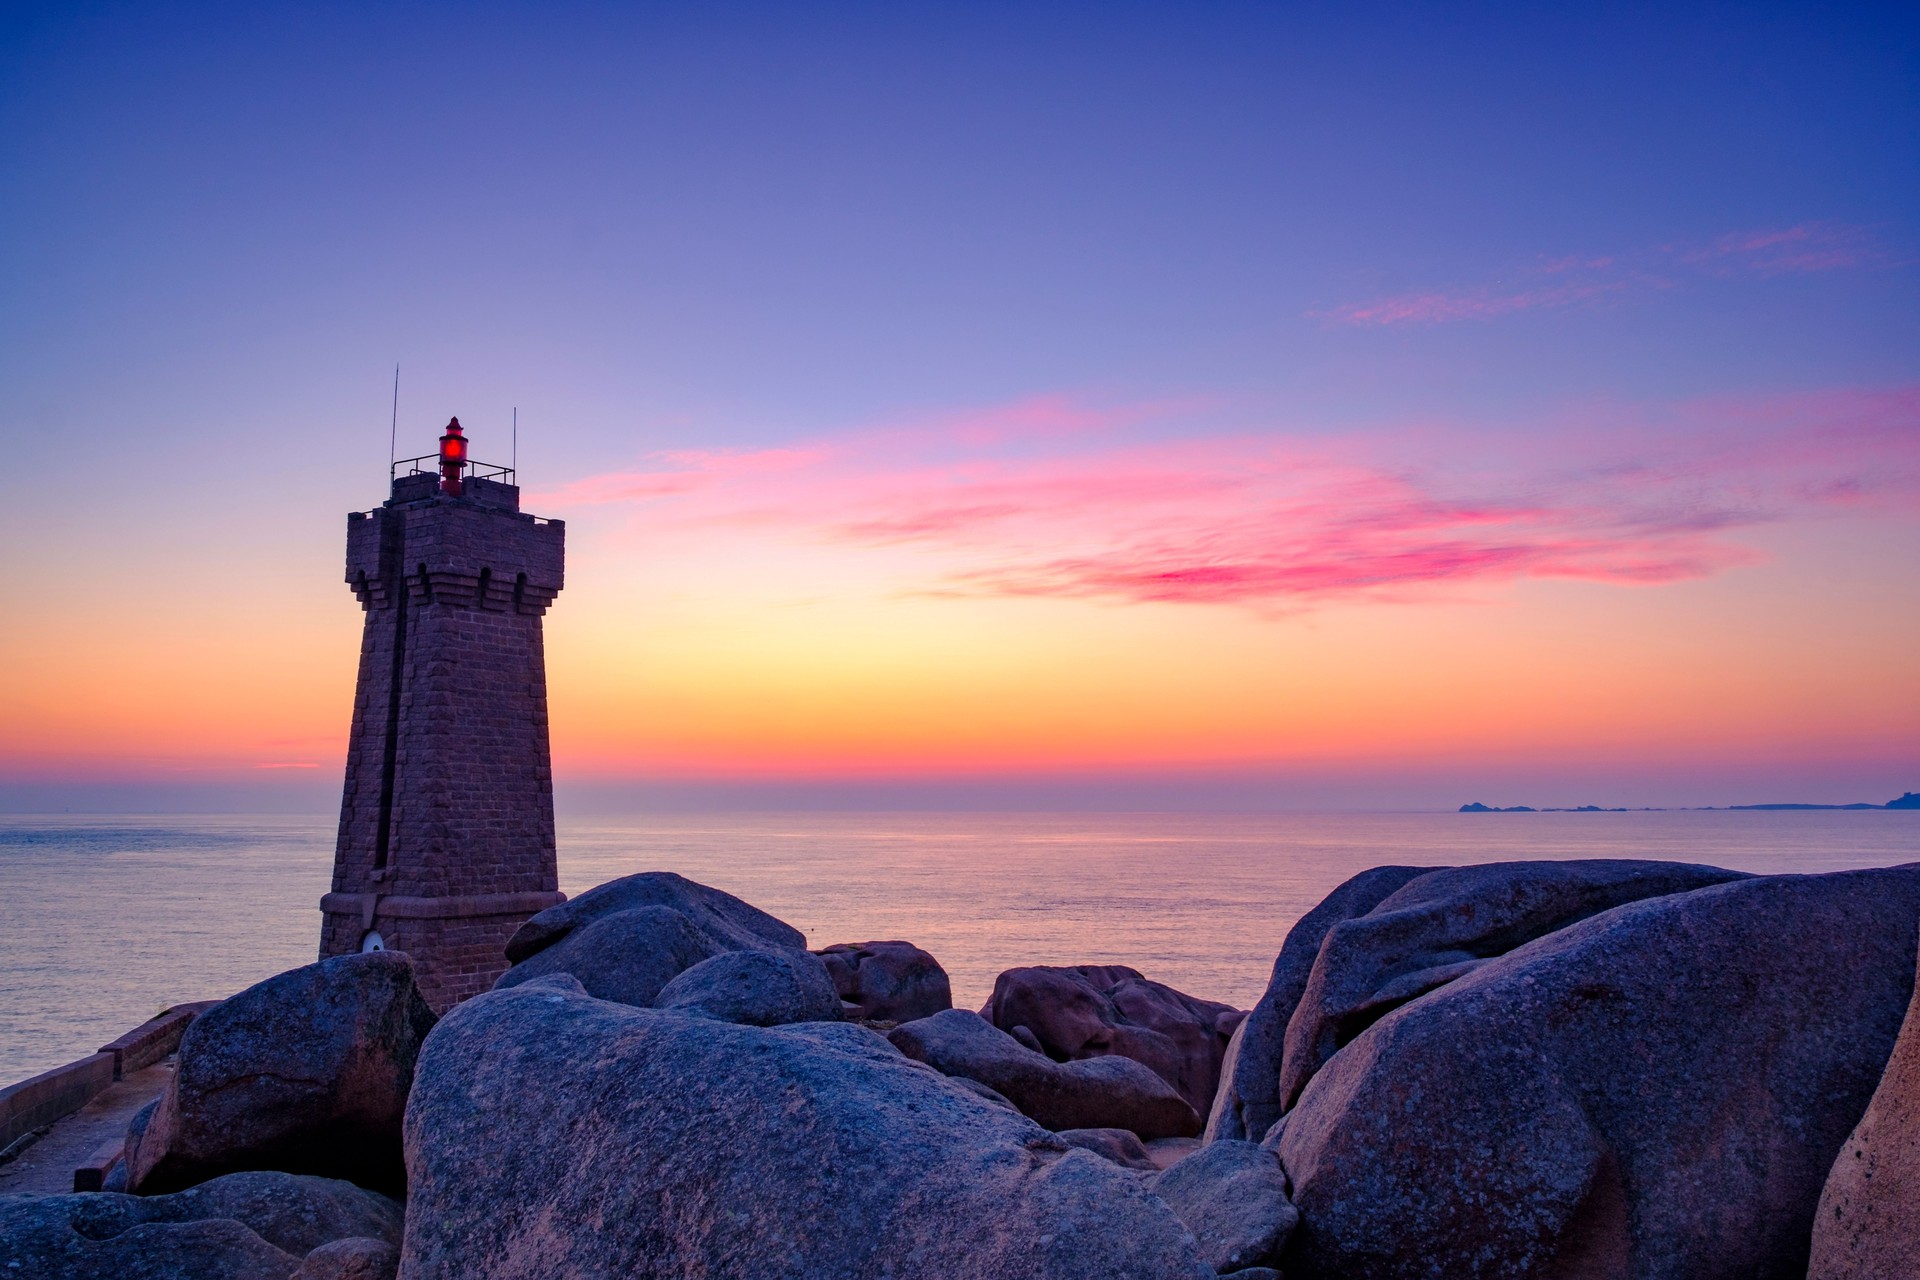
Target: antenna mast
x=393, y=431
x=516, y=444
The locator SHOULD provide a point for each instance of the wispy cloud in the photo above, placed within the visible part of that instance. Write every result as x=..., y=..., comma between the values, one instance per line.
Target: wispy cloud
x=1036, y=422
x=1277, y=520
x=1478, y=304
x=685, y=472
x=1811, y=246
x=1574, y=279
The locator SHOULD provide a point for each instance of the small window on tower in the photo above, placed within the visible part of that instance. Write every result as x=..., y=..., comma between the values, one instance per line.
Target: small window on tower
x=486, y=584
x=519, y=592
x=426, y=584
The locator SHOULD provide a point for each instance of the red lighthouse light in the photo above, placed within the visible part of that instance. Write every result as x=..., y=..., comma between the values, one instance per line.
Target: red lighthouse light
x=453, y=456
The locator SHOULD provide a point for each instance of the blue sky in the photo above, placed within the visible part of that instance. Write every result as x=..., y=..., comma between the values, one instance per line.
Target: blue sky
x=663, y=228
x=768, y=218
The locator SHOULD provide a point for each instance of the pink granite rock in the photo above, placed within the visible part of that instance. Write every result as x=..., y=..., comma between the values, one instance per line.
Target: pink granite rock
x=758, y=988
x=1656, y=1091
x=1092, y=1011
x=1868, y=1223
x=355, y=1258
x=1091, y=1093
x=1233, y=1196
x=306, y=1072
x=1248, y=1100
x=888, y=981
x=244, y=1226
x=554, y=1135
x=1441, y=926
x=627, y=939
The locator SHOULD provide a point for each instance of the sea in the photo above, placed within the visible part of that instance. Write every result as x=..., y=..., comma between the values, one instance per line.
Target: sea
x=104, y=921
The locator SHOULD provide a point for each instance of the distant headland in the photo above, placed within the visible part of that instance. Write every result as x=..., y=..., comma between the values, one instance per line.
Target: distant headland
x=1910, y=800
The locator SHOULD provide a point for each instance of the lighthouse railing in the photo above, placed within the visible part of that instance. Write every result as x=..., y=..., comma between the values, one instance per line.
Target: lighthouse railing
x=429, y=464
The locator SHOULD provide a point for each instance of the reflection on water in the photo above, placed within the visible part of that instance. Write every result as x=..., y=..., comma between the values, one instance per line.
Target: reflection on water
x=104, y=921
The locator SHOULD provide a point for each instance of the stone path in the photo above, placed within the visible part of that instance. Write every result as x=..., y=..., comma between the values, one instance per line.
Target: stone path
x=46, y=1167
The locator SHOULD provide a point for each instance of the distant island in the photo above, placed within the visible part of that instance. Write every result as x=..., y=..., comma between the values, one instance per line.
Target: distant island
x=1910, y=800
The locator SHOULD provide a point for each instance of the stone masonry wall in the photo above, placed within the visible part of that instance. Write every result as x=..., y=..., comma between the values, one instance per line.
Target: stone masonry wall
x=454, y=957
x=446, y=814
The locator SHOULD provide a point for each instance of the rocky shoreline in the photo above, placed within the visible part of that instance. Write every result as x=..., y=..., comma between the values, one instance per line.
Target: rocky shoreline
x=1563, y=1070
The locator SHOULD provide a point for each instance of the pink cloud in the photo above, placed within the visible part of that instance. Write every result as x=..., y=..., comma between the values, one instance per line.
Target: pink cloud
x=1436, y=308
x=689, y=471
x=1810, y=246
x=1579, y=278
x=1037, y=417
x=1630, y=496
x=679, y=473
x=1573, y=262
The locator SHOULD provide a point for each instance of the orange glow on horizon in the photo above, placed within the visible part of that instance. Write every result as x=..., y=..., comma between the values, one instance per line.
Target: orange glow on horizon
x=754, y=619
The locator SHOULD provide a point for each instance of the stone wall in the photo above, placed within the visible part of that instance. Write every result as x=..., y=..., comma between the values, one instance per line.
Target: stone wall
x=42, y=1099
x=457, y=945
x=446, y=819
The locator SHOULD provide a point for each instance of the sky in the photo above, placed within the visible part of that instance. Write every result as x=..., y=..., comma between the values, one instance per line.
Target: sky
x=1001, y=406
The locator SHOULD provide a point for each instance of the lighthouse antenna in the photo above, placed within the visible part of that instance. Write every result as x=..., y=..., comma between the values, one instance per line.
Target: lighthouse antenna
x=393, y=427
x=515, y=464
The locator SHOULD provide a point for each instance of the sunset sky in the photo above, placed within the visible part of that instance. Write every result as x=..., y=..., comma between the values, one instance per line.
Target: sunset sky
x=1120, y=405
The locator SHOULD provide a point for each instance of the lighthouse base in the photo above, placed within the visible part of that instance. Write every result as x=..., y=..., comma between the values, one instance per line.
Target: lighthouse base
x=458, y=944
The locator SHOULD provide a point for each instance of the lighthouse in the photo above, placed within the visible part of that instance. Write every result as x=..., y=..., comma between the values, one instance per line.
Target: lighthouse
x=446, y=838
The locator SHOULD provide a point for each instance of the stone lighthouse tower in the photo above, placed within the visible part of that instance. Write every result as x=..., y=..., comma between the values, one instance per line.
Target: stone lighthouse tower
x=446, y=821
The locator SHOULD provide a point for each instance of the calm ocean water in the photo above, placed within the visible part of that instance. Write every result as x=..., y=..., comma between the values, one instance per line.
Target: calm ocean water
x=105, y=920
